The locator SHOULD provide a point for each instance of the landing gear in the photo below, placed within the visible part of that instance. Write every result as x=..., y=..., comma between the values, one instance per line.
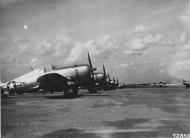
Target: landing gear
x=11, y=93
x=20, y=92
x=92, y=90
x=71, y=91
x=51, y=92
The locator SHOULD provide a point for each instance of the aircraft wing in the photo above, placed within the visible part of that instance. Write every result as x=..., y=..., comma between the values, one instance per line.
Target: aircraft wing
x=53, y=82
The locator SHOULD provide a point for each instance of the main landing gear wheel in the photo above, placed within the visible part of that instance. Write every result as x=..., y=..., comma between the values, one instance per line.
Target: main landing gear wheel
x=92, y=90
x=71, y=91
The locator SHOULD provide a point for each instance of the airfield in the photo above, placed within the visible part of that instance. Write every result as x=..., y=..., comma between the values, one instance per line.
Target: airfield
x=131, y=112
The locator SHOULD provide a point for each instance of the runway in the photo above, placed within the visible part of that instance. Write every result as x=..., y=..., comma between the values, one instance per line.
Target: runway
x=132, y=112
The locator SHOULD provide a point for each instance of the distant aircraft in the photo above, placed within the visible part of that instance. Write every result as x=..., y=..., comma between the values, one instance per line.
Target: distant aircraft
x=67, y=79
x=159, y=84
x=111, y=84
x=117, y=83
x=186, y=84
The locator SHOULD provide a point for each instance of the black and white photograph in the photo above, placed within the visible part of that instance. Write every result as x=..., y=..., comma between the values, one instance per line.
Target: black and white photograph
x=95, y=68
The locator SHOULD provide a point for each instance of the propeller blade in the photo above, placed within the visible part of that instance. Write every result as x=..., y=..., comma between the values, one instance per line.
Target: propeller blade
x=91, y=68
x=117, y=81
x=44, y=70
x=114, y=80
x=90, y=63
x=104, y=70
x=89, y=60
x=109, y=77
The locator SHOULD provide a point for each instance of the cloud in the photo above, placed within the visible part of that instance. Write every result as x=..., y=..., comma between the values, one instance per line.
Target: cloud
x=185, y=18
x=137, y=44
x=25, y=27
x=140, y=28
x=180, y=69
x=126, y=52
x=180, y=60
x=35, y=62
x=183, y=37
x=150, y=39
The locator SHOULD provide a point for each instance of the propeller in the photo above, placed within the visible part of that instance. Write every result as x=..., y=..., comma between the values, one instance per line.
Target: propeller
x=114, y=80
x=90, y=63
x=183, y=81
x=109, y=77
x=44, y=70
x=117, y=81
x=91, y=68
x=104, y=71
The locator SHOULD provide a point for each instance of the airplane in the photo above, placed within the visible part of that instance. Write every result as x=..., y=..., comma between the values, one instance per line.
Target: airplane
x=159, y=84
x=113, y=84
x=186, y=84
x=67, y=79
x=117, y=83
x=100, y=79
x=110, y=84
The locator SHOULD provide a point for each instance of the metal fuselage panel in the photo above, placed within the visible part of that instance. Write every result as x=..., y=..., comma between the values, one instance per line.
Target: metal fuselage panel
x=26, y=82
x=80, y=75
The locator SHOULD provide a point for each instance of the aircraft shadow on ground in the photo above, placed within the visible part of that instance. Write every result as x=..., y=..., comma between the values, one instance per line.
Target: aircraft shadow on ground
x=62, y=97
x=69, y=133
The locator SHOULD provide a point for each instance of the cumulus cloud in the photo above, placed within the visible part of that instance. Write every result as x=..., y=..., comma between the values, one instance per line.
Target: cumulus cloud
x=180, y=60
x=25, y=27
x=140, y=28
x=150, y=39
x=35, y=62
x=137, y=44
x=180, y=69
x=185, y=18
x=183, y=37
x=127, y=52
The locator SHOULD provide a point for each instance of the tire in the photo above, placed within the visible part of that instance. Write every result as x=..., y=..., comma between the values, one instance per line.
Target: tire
x=2, y=91
x=11, y=93
x=71, y=91
x=92, y=90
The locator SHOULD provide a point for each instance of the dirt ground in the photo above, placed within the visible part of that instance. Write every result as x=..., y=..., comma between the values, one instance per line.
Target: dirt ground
x=132, y=112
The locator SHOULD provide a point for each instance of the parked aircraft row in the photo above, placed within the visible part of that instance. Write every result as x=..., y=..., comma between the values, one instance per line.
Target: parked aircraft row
x=63, y=79
x=186, y=84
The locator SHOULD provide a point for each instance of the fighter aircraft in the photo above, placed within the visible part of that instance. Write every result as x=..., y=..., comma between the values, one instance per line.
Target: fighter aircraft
x=100, y=79
x=186, y=84
x=117, y=83
x=110, y=84
x=113, y=84
x=68, y=79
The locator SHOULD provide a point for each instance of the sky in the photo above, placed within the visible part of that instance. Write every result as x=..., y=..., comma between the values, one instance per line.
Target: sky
x=138, y=41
